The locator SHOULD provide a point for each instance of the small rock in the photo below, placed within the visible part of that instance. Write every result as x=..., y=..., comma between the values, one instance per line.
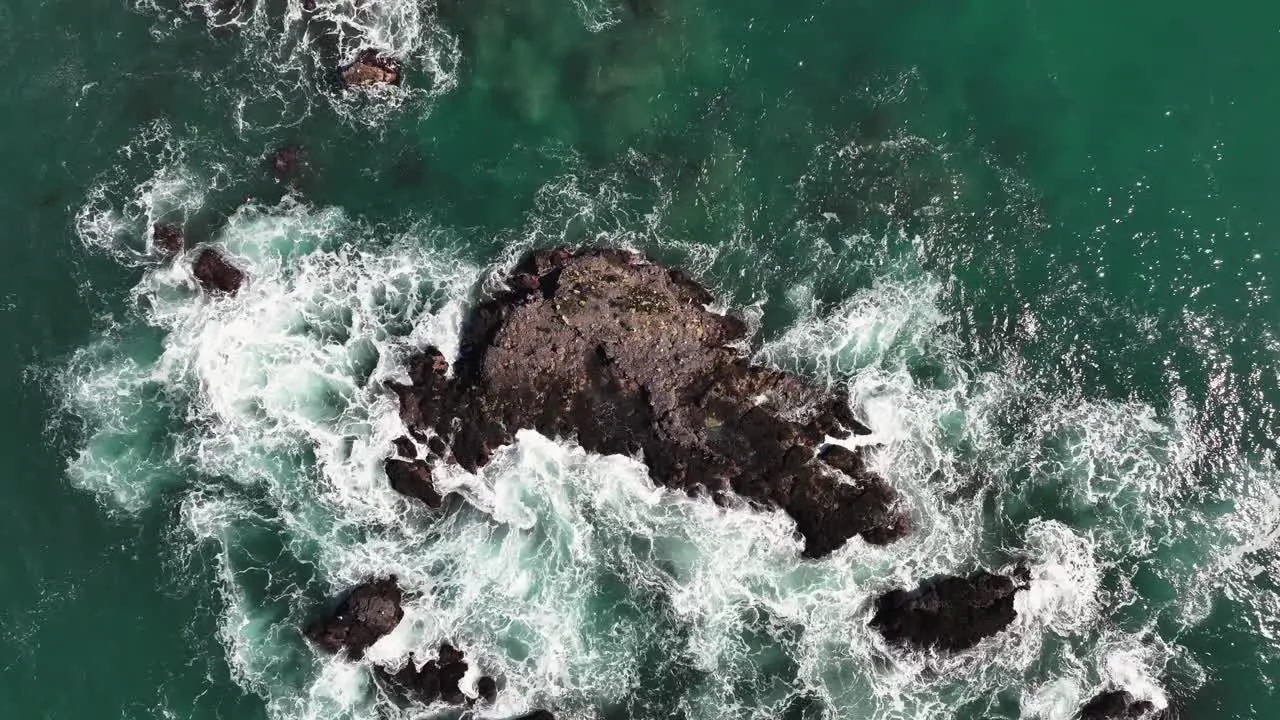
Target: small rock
x=371, y=69
x=487, y=689
x=167, y=239
x=1117, y=705
x=949, y=613
x=215, y=274
x=370, y=611
x=405, y=447
x=413, y=479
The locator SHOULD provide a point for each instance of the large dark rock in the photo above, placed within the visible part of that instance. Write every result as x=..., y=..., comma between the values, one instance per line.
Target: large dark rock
x=438, y=679
x=371, y=68
x=370, y=611
x=215, y=274
x=622, y=355
x=949, y=613
x=536, y=715
x=1118, y=705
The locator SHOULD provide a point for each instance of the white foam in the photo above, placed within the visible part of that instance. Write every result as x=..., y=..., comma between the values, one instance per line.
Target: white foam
x=288, y=56
x=1065, y=579
x=154, y=182
x=599, y=15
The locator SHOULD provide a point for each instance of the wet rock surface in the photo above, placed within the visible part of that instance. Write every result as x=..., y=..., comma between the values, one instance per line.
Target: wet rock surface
x=215, y=274
x=370, y=611
x=438, y=679
x=949, y=613
x=1118, y=705
x=371, y=68
x=621, y=354
x=414, y=480
x=167, y=239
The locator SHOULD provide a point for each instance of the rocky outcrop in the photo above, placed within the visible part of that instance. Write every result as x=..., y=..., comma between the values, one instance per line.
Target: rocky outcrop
x=167, y=239
x=536, y=715
x=949, y=613
x=370, y=611
x=438, y=679
x=622, y=354
x=1118, y=705
x=215, y=274
x=371, y=69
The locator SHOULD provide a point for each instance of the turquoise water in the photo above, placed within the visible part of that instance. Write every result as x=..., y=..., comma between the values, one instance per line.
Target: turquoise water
x=1033, y=240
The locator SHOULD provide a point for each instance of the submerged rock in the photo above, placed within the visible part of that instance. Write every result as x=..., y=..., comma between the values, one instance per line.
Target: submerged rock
x=215, y=274
x=1118, y=705
x=646, y=9
x=622, y=355
x=438, y=679
x=949, y=613
x=167, y=239
x=536, y=715
x=370, y=611
x=371, y=69
x=289, y=162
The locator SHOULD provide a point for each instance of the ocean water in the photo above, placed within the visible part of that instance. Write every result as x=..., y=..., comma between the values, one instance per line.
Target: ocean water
x=1031, y=239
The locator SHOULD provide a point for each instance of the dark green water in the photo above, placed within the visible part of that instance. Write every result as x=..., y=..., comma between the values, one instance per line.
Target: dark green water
x=1034, y=239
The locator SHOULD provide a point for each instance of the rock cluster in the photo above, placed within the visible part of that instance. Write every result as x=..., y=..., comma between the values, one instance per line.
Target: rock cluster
x=622, y=354
x=438, y=679
x=370, y=611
